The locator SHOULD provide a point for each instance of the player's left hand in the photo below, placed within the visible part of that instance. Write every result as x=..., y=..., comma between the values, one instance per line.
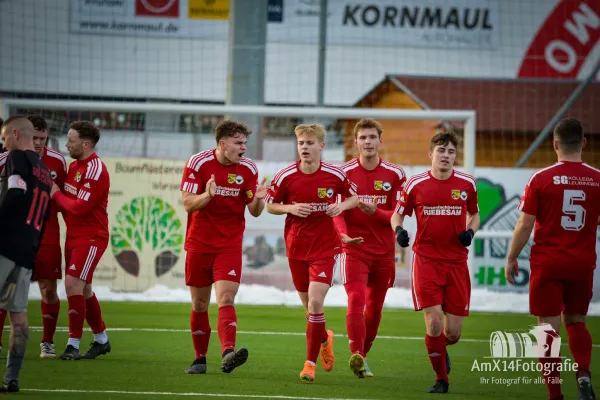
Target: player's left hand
x=511, y=270
x=54, y=189
x=367, y=208
x=466, y=237
x=261, y=189
x=333, y=210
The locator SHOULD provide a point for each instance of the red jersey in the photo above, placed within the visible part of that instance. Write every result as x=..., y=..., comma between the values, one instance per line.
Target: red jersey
x=315, y=236
x=565, y=199
x=85, y=200
x=219, y=226
x=382, y=186
x=58, y=171
x=441, y=208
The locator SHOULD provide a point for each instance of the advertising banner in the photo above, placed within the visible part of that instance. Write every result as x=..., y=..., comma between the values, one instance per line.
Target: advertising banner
x=435, y=23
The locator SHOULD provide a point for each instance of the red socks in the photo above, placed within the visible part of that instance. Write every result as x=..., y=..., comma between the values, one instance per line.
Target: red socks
x=314, y=336
x=76, y=316
x=580, y=343
x=436, y=349
x=355, y=320
x=227, y=327
x=375, y=300
x=200, y=326
x=93, y=315
x=3, y=314
x=49, y=320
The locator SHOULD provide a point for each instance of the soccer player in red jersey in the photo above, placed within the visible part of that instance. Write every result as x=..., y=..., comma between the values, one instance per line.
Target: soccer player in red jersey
x=367, y=266
x=562, y=202
x=47, y=265
x=217, y=186
x=445, y=204
x=307, y=192
x=84, y=208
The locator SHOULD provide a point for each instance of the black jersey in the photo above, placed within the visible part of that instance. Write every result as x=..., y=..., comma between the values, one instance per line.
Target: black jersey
x=25, y=185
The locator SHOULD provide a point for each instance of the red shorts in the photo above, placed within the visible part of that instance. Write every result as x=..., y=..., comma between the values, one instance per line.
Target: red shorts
x=549, y=297
x=81, y=260
x=435, y=282
x=319, y=270
x=203, y=269
x=48, y=263
x=379, y=272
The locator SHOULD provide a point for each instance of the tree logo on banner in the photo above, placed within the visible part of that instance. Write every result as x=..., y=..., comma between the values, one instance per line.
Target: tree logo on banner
x=147, y=226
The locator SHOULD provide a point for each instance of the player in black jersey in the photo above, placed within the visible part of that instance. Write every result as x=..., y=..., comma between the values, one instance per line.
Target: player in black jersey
x=25, y=184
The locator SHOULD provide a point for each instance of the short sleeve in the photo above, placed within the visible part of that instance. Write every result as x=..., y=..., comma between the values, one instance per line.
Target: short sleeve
x=277, y=191
x=472, y=202
x=530, y=201
x=399, y=186
x=250, y=187
x=348, y=188
x=191, y=181
x=17, y=164
x=406, y=203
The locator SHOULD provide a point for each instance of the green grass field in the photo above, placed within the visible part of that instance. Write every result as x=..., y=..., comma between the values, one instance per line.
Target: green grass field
x=151, y=346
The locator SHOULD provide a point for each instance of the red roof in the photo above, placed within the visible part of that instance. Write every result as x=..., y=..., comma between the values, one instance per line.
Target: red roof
x=508, y=105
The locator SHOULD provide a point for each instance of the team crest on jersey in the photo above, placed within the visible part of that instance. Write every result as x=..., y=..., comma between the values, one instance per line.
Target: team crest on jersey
x=239, y=179
x=231, y=178
x=77, y=176
x=455, y=194
x=463, y=195
x=322, y=192
x=387, y=186
x=378, y=185
x=330, y=193
x=53, y=174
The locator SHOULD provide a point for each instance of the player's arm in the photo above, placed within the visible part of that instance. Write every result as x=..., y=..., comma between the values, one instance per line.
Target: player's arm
x=520, y=238
x=17, y=170
x=257, y=205
x=529, y=205
x=87, y=198
x=342, y=228
x=405, y=206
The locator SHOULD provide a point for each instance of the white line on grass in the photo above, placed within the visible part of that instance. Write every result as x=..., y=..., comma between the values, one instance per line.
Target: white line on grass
x=65, y=329
x=254, y=396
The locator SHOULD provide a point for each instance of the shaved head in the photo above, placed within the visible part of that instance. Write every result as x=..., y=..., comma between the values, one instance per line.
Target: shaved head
x=17, y=133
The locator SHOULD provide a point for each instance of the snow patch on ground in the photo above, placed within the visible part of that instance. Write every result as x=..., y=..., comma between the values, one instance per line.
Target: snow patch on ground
x=481, y=299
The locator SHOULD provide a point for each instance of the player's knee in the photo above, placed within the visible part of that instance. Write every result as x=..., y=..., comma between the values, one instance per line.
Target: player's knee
x=226, y=299
x=452, y=336
x=74, y=286
x=434, y=325
x=315, y=305
x=356, y=303
x=570, y=319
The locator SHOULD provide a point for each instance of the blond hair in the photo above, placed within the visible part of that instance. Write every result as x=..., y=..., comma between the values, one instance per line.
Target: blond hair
x=367, y=123
x=317, y=130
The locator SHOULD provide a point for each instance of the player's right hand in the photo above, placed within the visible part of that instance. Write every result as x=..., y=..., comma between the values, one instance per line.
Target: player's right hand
x=402, y=236
x=351, y=241
x=211, y=186
x=300, y=210
x=511, y=270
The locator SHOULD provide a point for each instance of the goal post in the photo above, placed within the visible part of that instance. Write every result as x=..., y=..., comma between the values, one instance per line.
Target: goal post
x=466, y=117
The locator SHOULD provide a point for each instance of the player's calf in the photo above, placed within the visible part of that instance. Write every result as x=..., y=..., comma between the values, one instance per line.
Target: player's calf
x=233, y=359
